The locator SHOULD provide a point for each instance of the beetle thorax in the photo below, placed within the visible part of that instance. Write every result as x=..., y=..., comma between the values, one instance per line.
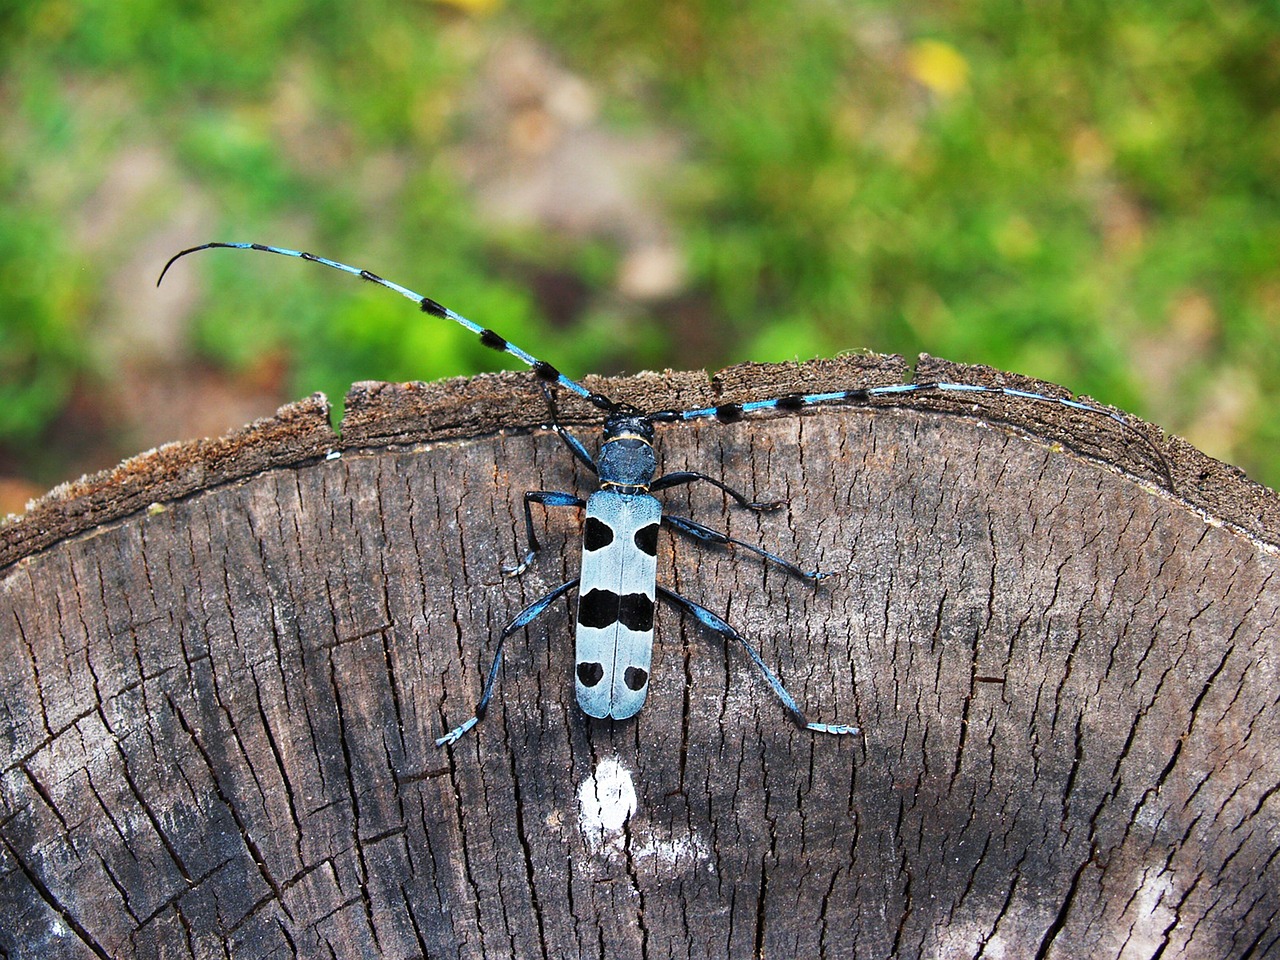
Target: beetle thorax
x=626, y=458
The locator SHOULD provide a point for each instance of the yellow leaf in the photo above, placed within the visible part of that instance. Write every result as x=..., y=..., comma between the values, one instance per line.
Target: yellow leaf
x=479, y=7
x=939, y=66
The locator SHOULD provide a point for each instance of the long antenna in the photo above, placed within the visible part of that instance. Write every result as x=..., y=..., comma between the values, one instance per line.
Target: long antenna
x=543, y=370
x=865, y=396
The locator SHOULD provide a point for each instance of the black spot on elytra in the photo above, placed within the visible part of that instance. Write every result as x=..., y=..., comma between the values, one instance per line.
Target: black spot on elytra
x=590, y=673
x=596, y=534
x=603, y=608
x=598, y=608
x=635, y=610
x=647, y=539
x=635, y=678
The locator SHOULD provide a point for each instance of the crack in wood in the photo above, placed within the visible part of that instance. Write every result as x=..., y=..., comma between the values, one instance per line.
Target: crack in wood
x=1064, y=676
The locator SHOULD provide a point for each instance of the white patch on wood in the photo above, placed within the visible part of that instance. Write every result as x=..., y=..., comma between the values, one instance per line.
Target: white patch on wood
x=1152, y=911
x=606, y=801
x=607, y=804
x=669, y=854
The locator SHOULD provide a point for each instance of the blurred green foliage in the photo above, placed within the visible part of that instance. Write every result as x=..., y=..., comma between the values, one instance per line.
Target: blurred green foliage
x=39, y=338
x=1082, y=192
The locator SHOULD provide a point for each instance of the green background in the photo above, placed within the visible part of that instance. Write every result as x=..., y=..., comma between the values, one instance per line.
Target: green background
x=1081, y=192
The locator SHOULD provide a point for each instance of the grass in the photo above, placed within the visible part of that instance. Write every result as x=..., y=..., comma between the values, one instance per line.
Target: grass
x=1082, y=193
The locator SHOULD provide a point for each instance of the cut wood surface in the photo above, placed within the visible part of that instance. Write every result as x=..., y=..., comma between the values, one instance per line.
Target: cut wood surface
x=223, y=666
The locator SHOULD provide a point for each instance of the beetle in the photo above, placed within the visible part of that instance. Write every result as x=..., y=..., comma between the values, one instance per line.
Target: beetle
x=617, y=582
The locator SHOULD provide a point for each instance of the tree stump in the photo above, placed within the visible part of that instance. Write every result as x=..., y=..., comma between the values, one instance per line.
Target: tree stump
x=223, y=666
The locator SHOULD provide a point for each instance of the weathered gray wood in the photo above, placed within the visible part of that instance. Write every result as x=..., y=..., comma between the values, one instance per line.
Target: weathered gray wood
x=217, y=714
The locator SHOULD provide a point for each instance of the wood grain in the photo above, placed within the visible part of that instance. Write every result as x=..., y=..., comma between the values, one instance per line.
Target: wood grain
x=218, y=698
